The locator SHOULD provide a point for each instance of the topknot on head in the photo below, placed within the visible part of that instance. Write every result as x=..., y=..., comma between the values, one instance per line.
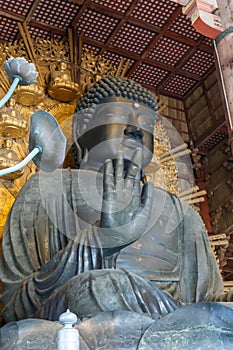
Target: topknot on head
x=119, y=87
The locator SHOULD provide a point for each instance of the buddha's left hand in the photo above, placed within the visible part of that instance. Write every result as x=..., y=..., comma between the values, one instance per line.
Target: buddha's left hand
x=126, y=206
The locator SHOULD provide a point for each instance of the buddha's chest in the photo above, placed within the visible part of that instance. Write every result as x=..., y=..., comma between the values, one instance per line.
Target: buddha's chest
x=157, y=254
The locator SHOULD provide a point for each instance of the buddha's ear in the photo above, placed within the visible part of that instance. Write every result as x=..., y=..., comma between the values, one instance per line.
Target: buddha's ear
x=75, y=134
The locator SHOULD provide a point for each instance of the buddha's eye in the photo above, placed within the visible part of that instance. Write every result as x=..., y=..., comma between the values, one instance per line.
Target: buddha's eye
x=113, y=112
x=146, y=123
x=114, y=118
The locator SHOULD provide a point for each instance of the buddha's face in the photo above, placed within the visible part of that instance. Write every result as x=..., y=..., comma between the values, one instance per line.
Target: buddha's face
x=8, y=143
x=118, y=126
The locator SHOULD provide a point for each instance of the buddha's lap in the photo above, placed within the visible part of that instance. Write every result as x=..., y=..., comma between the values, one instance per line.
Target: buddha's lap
x=97, y=291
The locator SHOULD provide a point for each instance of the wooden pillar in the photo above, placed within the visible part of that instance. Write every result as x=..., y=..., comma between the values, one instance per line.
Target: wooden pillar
x=224, y=60
x=204, y=206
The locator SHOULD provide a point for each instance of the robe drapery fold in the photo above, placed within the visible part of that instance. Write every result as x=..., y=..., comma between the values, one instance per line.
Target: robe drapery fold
x=50, y=238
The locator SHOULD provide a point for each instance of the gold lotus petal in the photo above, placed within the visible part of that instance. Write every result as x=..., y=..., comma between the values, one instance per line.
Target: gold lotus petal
x=29, y=95
x=64, y=91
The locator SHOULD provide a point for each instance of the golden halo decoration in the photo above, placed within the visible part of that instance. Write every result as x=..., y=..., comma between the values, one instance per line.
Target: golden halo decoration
x=62, y=111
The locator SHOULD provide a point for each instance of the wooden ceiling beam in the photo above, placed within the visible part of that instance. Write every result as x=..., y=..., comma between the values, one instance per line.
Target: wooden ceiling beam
x=155, y=39
x=188, y=75
x=136, y=57
x=44, y=26
x=98, y=8
x=172, y=69
x=88, y=4
x=164, y=93
x=47, y=27
x=119, y=26
x=178, y=37
x=209, y=133
x=106, y=11
x=123, y=17
x=13, y=16
x=206, y=48
x=144, y=25
x=31, y=11
x=92, y=42
x=113, y=34
x=79, y=14
x=29, y=16
x=116, y=50
x=203, y=78
x=170, y=34
x=181, y=63
x=171, y=94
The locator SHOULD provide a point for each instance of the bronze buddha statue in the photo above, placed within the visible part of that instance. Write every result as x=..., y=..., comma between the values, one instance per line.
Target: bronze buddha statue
x=99, y=238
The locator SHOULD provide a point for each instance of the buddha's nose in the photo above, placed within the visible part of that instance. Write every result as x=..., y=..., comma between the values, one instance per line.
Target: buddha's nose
x=133, y=132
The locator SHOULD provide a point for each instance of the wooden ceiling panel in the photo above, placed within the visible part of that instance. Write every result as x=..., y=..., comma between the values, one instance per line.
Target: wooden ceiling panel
x=155, y=12
x=119, y=6
x=160, y=51
x=165, y=52
x=20, y=7
x=199, y=63
x=148, y=75
x=115, y=58
x=212, y=140
x=96, y=26
x=179, y=85
x=208, y=41
x=127, y=38
x=37, y=32
x=8, y=29
x=95, y=50
x=56, y=13
x=182, y=26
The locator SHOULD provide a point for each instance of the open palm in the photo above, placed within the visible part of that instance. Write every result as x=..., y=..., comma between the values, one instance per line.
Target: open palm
x=126, y=207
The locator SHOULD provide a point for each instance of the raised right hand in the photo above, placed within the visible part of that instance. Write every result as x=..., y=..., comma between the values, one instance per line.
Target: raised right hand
x=126, y=207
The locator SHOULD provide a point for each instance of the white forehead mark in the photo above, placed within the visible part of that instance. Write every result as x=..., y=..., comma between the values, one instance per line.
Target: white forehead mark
x=136, y=105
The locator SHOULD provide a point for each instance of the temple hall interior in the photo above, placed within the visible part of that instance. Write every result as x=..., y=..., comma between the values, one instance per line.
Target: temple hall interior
x=159, y=44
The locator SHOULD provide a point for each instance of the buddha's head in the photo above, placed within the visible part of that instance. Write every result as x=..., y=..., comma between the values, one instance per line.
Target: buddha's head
x=116, y=114
x=7, y=143
x=63, y=66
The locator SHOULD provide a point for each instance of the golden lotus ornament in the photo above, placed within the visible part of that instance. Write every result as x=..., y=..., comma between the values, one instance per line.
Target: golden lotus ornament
x=61, y=86
x=9, y=158
x=65, y=91
x=12, y=125
x=30, y=95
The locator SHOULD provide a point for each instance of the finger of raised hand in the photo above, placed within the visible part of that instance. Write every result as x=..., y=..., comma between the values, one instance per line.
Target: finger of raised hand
x=136, y=193
x=108, y=180
x=142, y=214
x=147, y=198
x=133, y=168
x=119, y=172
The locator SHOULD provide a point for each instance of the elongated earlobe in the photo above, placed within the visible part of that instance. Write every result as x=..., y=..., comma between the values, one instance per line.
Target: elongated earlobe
x=77, y=150
x=85, y=156
x=78, y=153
